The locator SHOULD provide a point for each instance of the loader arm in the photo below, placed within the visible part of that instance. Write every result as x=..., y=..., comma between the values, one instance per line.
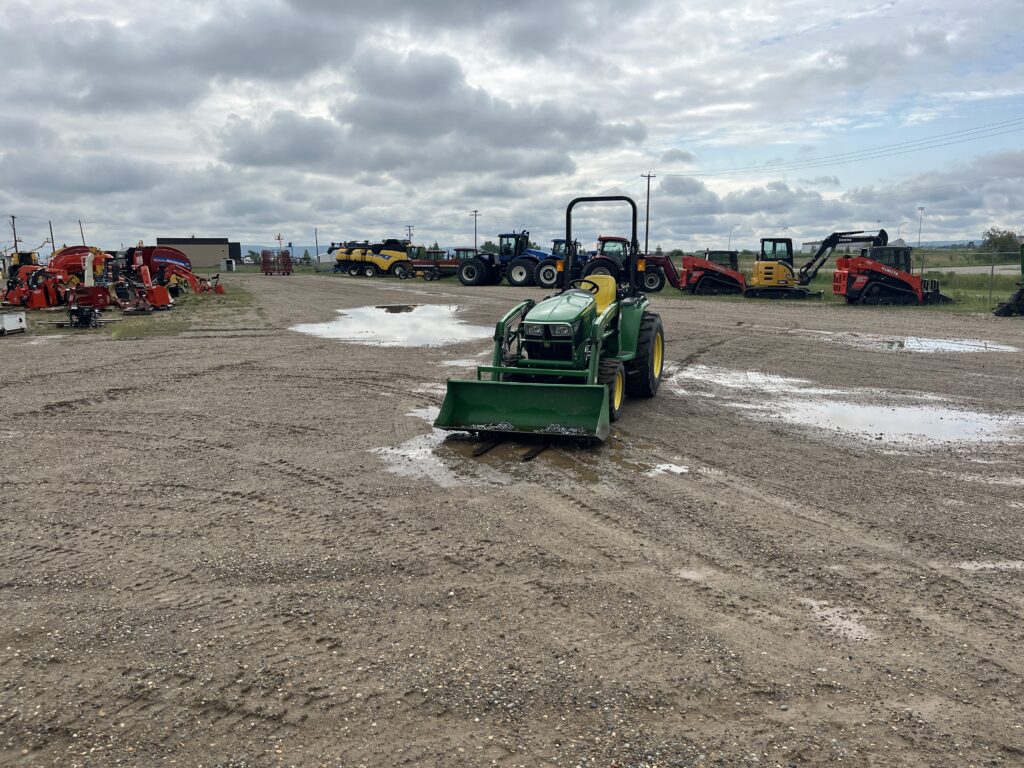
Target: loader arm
x=187, y=275
x=810, y=270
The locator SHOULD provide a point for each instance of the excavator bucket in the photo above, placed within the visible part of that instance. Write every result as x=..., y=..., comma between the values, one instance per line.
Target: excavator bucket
x=499, y=408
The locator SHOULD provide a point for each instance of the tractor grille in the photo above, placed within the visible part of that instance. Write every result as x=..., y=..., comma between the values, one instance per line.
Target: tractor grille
x=548, y=350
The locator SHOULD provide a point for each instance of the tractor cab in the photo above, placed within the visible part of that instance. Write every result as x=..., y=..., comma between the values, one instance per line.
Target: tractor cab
x=776, y=249
x=465, y=254
x=897, y=257
x=728, y=259
x=511, y=245
x=615, y=248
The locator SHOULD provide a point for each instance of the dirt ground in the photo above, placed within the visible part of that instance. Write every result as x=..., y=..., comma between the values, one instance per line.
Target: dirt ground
x=245, y=546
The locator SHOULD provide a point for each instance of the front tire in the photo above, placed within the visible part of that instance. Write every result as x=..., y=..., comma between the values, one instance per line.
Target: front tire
x=645, y=370
x=354, y=270
x=369, y=271
x=473, y=273
x=546, y=274
x=401, y=270
x=653, y=280
x=613, y=375
x=520, y=272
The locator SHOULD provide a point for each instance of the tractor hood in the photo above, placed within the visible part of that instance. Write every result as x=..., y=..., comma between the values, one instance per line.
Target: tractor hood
x=564, y=308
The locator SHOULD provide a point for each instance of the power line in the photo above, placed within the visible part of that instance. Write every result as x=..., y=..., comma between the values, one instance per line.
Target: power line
x=871, y=153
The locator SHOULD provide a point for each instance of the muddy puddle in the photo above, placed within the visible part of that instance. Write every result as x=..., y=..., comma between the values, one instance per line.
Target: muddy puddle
x=398, y=325
x=433, y=456
x=866, y=414
x=909, y=343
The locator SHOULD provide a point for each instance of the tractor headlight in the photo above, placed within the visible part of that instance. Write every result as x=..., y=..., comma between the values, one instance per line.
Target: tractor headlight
x=561, y=331
x=534, y=329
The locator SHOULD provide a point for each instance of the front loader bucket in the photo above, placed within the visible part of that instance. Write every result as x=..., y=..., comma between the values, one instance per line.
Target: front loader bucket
x=509, y=408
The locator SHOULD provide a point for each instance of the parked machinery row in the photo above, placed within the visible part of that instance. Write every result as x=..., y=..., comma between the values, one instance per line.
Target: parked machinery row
x=139, y=279
x=880, y=274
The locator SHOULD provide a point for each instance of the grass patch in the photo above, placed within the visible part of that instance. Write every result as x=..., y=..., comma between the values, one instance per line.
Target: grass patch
x=186, y=307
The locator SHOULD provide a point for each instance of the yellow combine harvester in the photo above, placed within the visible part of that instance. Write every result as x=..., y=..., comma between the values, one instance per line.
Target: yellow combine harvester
x=389, y=257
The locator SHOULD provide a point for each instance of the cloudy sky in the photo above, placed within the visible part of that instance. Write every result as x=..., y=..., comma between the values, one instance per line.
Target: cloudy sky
x=245, y=119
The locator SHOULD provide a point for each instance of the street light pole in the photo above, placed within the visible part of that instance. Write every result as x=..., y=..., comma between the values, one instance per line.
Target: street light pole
x=476, y=215
x=920, y=220
x=729, y=246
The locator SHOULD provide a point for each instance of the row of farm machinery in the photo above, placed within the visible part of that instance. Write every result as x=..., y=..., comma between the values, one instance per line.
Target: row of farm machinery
x=85, y=281
x=875, y=273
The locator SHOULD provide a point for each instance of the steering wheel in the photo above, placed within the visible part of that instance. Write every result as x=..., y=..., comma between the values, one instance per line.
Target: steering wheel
x=593, y=288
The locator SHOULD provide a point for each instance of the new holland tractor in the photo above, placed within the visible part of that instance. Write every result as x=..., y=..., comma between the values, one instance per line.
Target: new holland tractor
x=515, y=261
x=563, y=366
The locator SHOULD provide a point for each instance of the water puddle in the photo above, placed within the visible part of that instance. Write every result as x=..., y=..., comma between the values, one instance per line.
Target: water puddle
x=667, y=469
x=423, y=457
x=909, y=343
x=990, y=565
x=843, y=622
x=854, y=412
x=399, y=325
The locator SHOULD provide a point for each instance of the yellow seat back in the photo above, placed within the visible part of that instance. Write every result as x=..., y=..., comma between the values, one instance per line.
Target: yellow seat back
x=607, y=290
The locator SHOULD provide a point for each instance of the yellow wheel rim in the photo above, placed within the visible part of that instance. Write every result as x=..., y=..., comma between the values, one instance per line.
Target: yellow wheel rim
x=659, y=354
x=620, y=385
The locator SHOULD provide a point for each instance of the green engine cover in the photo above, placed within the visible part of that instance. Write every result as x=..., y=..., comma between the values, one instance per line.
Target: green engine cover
x=566, y=307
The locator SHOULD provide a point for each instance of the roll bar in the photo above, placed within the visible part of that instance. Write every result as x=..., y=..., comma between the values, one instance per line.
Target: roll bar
x=570, y=249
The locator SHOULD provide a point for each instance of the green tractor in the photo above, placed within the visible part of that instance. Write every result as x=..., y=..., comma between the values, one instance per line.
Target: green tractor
x=564, y=365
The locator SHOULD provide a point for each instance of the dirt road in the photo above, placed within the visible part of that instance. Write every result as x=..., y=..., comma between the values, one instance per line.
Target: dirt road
x=244, y=545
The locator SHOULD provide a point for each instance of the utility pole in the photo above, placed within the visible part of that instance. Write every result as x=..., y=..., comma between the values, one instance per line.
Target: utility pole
x=647, y=209
x=316, y=240
x=53, y=243
x=476, y=215
x=408, y=231
x=920, y=220
x=14, y=230
x=81, y=231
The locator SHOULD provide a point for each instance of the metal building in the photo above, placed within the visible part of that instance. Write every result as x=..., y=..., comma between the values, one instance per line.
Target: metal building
x=204, y=252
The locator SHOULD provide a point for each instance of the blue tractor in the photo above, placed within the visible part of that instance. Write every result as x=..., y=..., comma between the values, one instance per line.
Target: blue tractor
x=515, y=261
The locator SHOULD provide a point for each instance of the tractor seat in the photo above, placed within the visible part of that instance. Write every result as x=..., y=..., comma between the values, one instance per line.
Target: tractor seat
x=607, y=293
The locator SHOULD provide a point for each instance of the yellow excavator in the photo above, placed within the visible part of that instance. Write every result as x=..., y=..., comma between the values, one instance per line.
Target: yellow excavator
x=774, y=275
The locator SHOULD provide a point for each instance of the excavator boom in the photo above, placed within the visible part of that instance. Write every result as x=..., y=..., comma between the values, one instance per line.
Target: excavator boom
x=810, y=270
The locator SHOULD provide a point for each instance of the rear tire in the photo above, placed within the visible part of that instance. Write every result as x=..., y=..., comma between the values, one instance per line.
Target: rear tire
x=520, y=272
x=369, y=271
x=354, y=270
x=546, y=274
x=645, y=370
x=473, y=272
x=601, y=267
x=401, y=270
x=612, y=374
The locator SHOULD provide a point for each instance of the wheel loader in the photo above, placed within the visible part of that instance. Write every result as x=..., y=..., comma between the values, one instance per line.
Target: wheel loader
x=563, y=366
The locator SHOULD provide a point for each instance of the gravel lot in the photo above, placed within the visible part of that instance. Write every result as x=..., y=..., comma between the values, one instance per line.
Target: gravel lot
x=243, y=545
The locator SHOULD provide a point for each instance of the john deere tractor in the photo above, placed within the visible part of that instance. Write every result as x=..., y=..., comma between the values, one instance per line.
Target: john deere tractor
x=564, y=365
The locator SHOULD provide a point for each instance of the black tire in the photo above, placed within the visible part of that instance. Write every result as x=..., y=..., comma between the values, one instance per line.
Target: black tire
x=520, y=272
x=644, y=372
x=354, y=270
x=370, y=270
x=610, y=372
x=401, y=270
x=473, y=272
x=601, y=267
x=546, y=274
x=653, y=280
